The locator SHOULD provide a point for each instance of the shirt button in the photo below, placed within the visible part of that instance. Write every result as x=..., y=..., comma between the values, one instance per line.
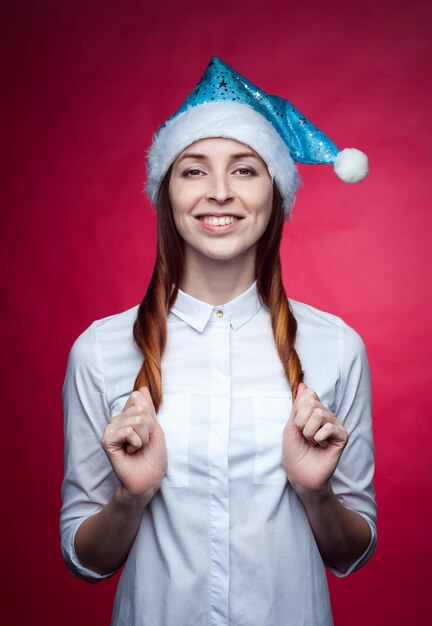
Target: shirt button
x=219, y=313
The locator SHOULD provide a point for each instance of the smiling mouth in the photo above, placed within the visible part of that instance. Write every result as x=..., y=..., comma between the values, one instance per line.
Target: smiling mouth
x=218, y=221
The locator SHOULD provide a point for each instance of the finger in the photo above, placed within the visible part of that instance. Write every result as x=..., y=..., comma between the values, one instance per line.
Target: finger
x=140, y=427
x=143, y=397
x=132, y=442
x=143, y=426
x=308, y=403
x=131, y=401
x=145, y=392
x=331, y=433
x=301, y=388
x=114, y=439
x=140, y=411
x=316, y=420
x=138, y=397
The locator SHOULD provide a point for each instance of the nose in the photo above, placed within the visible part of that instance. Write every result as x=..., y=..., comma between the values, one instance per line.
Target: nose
x=219, y=189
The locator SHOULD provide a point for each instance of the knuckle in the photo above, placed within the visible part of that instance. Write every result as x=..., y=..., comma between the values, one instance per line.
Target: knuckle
x=306, y=431
x=142, y=408
x=108, y=429
x=105, y=439
x=298, y=421
x=311, y=404
x=135, y=396
x=315, y=413
x=321, y=413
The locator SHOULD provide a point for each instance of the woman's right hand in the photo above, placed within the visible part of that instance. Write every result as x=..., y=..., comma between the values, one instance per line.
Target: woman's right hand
x=135, y=445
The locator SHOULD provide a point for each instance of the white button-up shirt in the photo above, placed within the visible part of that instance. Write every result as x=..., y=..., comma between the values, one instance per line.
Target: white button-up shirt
x=225, y=540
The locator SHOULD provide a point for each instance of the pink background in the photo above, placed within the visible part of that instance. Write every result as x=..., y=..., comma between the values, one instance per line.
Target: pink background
x=85, y=84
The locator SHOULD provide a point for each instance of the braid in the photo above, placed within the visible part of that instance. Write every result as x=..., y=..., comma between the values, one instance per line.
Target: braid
x=150, y=327
x=150, y=332
x=284, y=326
x=272, y=292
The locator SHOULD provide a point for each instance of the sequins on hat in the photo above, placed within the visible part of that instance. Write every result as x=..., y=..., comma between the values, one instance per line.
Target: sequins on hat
x=226, y=104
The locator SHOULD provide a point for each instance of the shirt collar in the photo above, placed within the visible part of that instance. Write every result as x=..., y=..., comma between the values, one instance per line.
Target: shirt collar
x=237, y=311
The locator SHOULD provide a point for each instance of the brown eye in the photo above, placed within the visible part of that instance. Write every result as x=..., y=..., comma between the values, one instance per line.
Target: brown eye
x=246, y=171
x=189, y=173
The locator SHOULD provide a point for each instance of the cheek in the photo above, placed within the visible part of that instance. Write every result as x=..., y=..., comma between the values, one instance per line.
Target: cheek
x=262, y=203
x=180, y=222
x=183, y=200
x=261, y=192
x=177, y=204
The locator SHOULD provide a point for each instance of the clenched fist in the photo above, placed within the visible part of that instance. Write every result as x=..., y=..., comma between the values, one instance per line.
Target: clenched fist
x=135, y=445
x=313, y=441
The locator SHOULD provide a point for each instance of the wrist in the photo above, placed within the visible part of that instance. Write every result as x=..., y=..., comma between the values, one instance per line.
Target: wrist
x=314, y=497
x=127, y=499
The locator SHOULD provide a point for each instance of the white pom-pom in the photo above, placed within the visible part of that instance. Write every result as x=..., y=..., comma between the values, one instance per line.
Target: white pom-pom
x=351, y=165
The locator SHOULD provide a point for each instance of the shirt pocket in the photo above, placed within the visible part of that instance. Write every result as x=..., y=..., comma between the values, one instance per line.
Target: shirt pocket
x=271, y=414
x=175, y=418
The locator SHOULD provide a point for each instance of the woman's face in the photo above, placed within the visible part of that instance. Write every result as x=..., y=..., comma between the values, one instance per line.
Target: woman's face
x=220, y=180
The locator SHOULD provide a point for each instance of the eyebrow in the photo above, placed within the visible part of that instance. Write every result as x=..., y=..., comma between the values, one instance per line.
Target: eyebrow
x=237, y=155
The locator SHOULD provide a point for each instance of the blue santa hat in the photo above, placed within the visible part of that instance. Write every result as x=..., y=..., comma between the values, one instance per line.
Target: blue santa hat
x=225, y=104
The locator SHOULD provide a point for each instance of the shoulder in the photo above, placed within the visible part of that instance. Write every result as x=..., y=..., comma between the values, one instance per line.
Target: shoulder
x=112, y=330
x=116, y=323
x=322, y=326
x=332, y=354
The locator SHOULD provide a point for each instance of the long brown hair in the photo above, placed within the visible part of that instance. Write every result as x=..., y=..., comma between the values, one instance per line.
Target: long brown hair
x=150, y=328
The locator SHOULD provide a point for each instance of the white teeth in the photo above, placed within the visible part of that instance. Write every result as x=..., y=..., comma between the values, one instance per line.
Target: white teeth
x=219, y=221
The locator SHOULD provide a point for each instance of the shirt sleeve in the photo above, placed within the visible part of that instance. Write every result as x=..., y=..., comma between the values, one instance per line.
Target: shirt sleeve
x=89, y=481
x=352, y=480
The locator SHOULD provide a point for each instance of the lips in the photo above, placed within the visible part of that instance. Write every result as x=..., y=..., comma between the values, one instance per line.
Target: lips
x=218, y=224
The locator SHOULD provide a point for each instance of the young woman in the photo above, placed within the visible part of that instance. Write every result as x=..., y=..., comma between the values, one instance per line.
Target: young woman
x=218, y=438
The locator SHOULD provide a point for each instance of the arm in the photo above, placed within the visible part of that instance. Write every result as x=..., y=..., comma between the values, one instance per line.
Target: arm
x=106, y=485
x=103, y=540
x=134, y=443
x=329, y=461
x=342, y=535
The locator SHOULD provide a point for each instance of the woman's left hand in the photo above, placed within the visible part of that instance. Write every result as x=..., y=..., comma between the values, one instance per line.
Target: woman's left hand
x=313, y=441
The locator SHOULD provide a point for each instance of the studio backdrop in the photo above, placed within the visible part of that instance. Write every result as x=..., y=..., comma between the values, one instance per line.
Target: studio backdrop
x=85, y=85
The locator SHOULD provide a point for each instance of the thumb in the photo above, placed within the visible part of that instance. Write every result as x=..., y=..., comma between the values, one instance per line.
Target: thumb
x=302, y=387
x=145, y=392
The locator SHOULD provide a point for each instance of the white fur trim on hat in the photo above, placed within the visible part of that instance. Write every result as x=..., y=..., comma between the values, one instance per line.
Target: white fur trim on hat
x=223, y=119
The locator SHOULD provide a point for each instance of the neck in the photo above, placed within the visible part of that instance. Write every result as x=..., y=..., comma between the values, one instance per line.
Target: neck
x=218, y=281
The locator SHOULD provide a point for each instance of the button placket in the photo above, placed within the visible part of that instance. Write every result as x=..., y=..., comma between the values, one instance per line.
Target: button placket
x=218, y=471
